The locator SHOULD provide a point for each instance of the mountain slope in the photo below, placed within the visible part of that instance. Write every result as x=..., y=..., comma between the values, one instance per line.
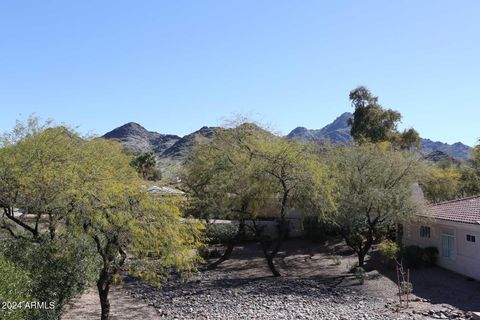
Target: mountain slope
x=137, y=139
x=182, y=148
x=338, y=132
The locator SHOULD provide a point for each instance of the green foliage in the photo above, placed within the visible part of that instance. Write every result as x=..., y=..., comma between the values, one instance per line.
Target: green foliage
x=389, y=250
x=470, y=178
x=57, y=270
x=247, y=173
x=406, y=287
x=372, y=123
x=221, y=233
x=360, y=274
x=430, y=255
x=441, y=184
x=78, y=189
x=15, y=287
x=416, y=257
x=413, y=256
x=316, y=229
x=373, y=193
x=146, y=165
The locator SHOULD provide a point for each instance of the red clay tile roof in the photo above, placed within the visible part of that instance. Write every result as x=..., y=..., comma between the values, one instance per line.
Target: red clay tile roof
x=466, y=210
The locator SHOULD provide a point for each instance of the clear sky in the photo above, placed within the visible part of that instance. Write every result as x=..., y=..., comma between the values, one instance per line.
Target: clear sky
x=174, y=66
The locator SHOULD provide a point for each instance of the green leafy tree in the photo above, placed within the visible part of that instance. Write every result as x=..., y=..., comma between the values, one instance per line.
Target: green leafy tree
x=441, y=184
x=373, y=123
x=245, y=174
x=470, y=177
x=77, y=188
x=373, y=193
x=146, y=166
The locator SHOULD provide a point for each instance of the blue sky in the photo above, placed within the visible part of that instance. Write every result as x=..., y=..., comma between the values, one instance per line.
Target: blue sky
x=174, y=66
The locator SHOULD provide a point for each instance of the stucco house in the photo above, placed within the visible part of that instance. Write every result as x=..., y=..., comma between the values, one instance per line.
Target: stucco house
x=454, y=228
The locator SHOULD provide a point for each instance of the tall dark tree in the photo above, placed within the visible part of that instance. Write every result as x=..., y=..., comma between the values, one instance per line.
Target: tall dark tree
x=373, y=123
x=146, y=166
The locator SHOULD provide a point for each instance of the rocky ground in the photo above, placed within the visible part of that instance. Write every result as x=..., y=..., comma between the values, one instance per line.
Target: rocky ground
x=315, y=285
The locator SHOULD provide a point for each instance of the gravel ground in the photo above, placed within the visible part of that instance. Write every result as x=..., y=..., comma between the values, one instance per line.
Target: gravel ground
x=313, y=286
x=267, y=298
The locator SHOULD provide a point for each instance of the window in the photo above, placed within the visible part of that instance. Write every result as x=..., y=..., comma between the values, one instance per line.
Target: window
x=470, y=238
x=424, y=232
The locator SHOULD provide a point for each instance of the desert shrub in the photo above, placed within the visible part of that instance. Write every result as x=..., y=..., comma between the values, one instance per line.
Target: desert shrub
x=15, y=286
x=316, y=229
x=406, y=287
x=413, y=256
x=430, y=256
x=360, y=274
x=58, y=270
x=221, y=233
x=416, y=257
x=389, y=251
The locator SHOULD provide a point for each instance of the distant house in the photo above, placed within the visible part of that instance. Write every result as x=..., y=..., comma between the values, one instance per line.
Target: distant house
x=165, y=191
x=454, y=228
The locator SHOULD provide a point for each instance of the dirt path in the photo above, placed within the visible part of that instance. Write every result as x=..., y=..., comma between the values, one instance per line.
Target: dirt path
x=123, y=307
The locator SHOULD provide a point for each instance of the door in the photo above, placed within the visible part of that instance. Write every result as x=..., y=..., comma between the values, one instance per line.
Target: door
x=448, y=245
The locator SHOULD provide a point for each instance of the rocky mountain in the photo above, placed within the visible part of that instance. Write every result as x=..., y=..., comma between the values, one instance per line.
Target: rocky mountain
x=457, y=150
x=137, y=139
x=339, y=132
x=182, y=148
x=173, y=150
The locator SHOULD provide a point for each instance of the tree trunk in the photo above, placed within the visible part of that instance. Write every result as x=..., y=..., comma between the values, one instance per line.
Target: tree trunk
x=103, y=286
x=226, y=255
x=361, y=259
x=271, y=265
x=228, y=251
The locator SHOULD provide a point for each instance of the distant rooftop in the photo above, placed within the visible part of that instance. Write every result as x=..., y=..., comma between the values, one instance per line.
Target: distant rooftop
x=165, y=191
x=466, y=210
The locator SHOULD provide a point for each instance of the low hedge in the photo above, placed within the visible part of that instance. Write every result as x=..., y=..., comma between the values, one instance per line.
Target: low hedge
x=416, y=257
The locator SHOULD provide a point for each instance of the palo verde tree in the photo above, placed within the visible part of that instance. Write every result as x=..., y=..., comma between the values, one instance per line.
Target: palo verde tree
x=374, y=192
x=296, y=180
x=441, y=183
x=470, y=176
x=220, y=177
x=247, y=173
x=373, y=123
x=123, y=219
x=84, y=190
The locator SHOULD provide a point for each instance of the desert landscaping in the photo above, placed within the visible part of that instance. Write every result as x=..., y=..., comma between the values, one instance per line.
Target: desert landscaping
x=314, y=286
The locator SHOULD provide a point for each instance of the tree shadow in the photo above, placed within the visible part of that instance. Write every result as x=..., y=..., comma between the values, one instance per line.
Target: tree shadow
x=438, y=286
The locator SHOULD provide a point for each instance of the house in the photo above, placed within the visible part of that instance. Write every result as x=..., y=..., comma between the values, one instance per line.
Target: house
x=454, y=228
x=165, y=191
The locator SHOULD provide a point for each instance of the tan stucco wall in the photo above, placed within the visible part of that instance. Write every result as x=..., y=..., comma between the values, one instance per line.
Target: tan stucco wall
x=466, y=255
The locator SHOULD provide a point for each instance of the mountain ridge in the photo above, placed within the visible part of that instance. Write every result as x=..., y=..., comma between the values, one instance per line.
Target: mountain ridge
x=172, y=150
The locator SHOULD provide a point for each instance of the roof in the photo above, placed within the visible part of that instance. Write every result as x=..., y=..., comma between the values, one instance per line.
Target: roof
x=165, y=191
x=465, y=210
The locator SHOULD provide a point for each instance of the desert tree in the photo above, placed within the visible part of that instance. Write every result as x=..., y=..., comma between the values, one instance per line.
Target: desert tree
x=221, y=180
x=124, y=221
x=81, y=188
x=245, y=174
x=373, y=123
x=146, y=165
x=440, y=183
x=374, y=192
x=470, y=176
